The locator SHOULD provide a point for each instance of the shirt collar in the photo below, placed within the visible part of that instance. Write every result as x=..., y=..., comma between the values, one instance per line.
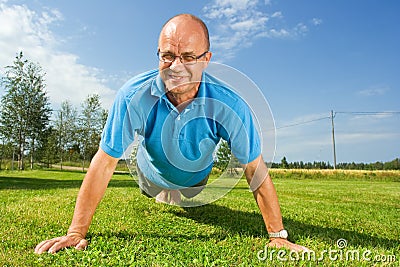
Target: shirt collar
x=158, y=90
x=201, y=94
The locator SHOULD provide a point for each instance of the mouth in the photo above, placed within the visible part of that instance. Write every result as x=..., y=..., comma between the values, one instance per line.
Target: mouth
x=176, y=78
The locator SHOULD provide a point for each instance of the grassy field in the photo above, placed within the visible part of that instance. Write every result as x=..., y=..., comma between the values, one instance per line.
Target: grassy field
x=360, y=209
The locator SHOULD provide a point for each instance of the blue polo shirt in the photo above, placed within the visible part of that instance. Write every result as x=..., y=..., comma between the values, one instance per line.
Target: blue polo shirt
x=177, y=147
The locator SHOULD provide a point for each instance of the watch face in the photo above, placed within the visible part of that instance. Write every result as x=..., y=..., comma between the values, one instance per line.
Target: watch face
x=284, y=234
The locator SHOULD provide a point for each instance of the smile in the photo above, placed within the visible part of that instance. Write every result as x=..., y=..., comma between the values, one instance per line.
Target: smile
x=176, y=78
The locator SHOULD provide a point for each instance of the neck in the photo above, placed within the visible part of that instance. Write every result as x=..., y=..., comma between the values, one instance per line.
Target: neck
x=181, y=99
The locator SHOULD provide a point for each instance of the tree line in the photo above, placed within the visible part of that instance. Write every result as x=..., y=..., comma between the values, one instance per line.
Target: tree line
x=390, y=165
x=31, y=131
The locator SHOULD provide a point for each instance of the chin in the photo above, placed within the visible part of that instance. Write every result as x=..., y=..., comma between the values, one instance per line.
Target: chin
x=179, y=88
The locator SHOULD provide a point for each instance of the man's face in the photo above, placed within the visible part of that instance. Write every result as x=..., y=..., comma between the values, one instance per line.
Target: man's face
x=182, y=37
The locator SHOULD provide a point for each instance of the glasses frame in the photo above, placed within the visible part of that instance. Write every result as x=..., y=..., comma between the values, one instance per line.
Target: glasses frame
x=159, y=55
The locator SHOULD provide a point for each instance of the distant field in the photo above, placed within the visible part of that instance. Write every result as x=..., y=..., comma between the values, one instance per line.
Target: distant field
x=361, y=209
x=329, y=174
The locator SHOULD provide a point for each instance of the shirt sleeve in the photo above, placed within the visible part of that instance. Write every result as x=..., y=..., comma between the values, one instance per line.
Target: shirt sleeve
x=119, y=131
x=241, y=134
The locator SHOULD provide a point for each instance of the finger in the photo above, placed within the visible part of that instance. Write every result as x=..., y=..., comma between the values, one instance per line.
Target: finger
x=82, y=244
x=274, y=243
x=281, y=243
x=295, y=247
x=63, y=243
x=45, y=245
x=37, y=248
x=305, y=249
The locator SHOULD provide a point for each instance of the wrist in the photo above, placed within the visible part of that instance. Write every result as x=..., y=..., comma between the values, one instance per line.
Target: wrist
x=283, y=234
x=75, y=234
x=77, y=229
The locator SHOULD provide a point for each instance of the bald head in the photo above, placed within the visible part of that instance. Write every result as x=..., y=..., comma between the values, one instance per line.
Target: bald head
x=186, y=26
x=183, y=37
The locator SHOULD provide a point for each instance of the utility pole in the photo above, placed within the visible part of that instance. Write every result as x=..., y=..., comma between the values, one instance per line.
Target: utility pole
x=333, y=140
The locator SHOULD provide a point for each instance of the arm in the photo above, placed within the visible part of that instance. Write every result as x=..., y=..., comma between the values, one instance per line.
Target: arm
x=267, y=200
x=91, y=192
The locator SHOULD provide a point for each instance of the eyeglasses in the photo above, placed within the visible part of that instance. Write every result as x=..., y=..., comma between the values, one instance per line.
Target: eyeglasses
x=167, y=57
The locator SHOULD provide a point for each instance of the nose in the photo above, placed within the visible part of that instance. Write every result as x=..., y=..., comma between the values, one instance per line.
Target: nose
x=176, y=64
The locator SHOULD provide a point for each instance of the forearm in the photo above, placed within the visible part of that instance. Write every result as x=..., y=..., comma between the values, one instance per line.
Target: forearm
x=91, y=192
x=265, y=194
x=268, y=203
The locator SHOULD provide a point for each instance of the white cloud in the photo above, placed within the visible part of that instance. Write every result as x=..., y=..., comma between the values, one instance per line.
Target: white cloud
x=374, y=91
x=366, y=119
x=316, y=21
x=300, y=29
x=26, y=30
x=365, y=137
x=236, y=24
x=277, y=14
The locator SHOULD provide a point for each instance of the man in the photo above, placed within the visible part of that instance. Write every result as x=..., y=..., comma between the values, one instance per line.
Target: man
x=169, y=161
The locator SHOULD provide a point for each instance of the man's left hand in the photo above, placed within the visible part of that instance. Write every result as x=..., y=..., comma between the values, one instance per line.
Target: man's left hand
x=284, y=243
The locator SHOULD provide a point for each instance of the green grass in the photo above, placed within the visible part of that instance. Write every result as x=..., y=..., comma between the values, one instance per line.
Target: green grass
x=130, y=230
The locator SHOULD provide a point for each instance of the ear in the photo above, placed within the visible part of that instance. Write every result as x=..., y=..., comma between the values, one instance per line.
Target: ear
x=207, y=58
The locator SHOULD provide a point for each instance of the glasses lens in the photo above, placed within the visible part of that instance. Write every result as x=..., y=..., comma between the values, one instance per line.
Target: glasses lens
x=167, y=57
x=189, y=59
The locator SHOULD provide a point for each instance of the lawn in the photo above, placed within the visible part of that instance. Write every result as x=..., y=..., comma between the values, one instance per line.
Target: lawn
x=359, y=211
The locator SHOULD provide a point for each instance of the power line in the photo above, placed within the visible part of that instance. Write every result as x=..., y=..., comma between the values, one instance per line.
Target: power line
x=366, y=113
x=301, y=123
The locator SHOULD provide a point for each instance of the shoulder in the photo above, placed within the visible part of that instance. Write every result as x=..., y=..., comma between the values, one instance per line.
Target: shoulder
x=138, y=83
x=220, y=90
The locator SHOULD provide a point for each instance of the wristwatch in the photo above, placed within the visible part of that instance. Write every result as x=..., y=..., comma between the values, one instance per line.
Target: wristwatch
x=281, y=234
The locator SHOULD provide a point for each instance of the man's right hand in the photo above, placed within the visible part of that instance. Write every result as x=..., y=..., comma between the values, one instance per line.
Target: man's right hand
x=53, y=245
x=91, y=192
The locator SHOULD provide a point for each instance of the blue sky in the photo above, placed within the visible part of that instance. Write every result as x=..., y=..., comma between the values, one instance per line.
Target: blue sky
x=307, y=57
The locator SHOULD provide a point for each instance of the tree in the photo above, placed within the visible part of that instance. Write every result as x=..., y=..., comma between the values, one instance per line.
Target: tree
x=25, y=107
x=225, y=159
x=6, y=149
x=284, y=163
x=223, y=156
x=66, y=125
x=91, y=123
x=49, y=150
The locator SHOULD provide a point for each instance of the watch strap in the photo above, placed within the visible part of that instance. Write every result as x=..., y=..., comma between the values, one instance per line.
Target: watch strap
x=281, y=234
